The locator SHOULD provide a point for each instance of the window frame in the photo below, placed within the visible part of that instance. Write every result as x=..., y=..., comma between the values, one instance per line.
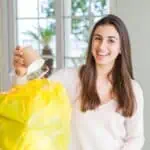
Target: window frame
x=7, y=41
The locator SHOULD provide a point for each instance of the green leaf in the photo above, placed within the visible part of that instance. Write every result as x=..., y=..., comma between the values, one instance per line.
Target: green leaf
x=32, y=34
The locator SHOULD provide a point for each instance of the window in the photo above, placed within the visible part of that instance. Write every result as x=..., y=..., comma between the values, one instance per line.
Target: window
x=36, y=26
x=37, y=21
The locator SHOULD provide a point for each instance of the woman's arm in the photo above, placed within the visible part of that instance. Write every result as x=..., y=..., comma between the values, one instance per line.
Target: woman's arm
x=58, y=76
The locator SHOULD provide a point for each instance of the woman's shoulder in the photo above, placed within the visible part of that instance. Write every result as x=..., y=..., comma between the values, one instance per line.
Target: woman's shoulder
x=70, y=70
x=65, y=74
x=67, y=71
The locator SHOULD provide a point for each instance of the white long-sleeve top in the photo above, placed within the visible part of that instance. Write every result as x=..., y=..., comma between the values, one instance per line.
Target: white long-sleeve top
x=102, y=128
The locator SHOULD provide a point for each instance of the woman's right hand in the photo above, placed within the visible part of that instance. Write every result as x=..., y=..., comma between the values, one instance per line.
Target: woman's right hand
x=18, y=62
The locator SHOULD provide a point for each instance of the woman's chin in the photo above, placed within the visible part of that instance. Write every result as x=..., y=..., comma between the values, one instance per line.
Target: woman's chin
x=101, y=62
x=104, y=62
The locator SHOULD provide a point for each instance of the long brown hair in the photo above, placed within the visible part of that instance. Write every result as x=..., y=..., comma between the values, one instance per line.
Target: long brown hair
x=122, y=73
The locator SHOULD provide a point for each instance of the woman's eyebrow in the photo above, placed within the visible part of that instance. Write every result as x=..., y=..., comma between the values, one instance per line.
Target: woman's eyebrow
x=113, y=37
x=97, y=35
x=110, y=36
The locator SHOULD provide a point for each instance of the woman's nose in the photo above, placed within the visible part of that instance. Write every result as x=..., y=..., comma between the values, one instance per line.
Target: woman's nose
x=102, y=45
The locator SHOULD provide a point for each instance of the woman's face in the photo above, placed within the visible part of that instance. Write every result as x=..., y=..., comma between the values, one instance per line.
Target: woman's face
x=105, y=45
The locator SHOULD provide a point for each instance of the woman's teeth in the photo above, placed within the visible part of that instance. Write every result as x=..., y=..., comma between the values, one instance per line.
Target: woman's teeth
x=102, y=54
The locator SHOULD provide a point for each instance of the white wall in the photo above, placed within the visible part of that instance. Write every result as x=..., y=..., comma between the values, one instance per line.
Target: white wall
x=136, y=15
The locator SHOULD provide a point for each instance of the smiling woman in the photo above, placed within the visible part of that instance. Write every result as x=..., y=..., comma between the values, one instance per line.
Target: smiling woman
x=106, y=79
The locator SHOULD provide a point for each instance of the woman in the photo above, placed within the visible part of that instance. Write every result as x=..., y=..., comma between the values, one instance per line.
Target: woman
x=107, y=102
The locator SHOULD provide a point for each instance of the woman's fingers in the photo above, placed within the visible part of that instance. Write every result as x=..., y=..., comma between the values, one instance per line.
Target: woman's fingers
x=18, y=59
x=18, y=51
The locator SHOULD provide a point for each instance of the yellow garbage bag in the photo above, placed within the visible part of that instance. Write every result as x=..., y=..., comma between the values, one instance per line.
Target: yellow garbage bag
x=35, y=116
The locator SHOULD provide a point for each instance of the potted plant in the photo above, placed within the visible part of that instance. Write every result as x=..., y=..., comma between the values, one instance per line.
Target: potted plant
x=44, y=37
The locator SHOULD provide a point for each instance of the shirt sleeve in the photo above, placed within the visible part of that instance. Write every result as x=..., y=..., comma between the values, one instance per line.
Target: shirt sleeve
x=134, y=126
x=16, y=80
x=57, y=76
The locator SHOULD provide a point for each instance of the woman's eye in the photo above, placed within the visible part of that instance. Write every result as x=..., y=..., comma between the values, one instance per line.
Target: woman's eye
x=111, y=41
x=97, y=38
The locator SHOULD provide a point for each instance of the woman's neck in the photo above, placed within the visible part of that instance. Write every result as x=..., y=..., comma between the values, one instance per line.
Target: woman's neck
x=104, y=84
x=103, y=71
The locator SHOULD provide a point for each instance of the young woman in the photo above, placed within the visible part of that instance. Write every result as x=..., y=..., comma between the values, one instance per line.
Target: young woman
x=107, y=103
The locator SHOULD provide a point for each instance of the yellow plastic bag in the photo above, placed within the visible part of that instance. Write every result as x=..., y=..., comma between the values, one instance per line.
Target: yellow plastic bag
x=35, y=116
